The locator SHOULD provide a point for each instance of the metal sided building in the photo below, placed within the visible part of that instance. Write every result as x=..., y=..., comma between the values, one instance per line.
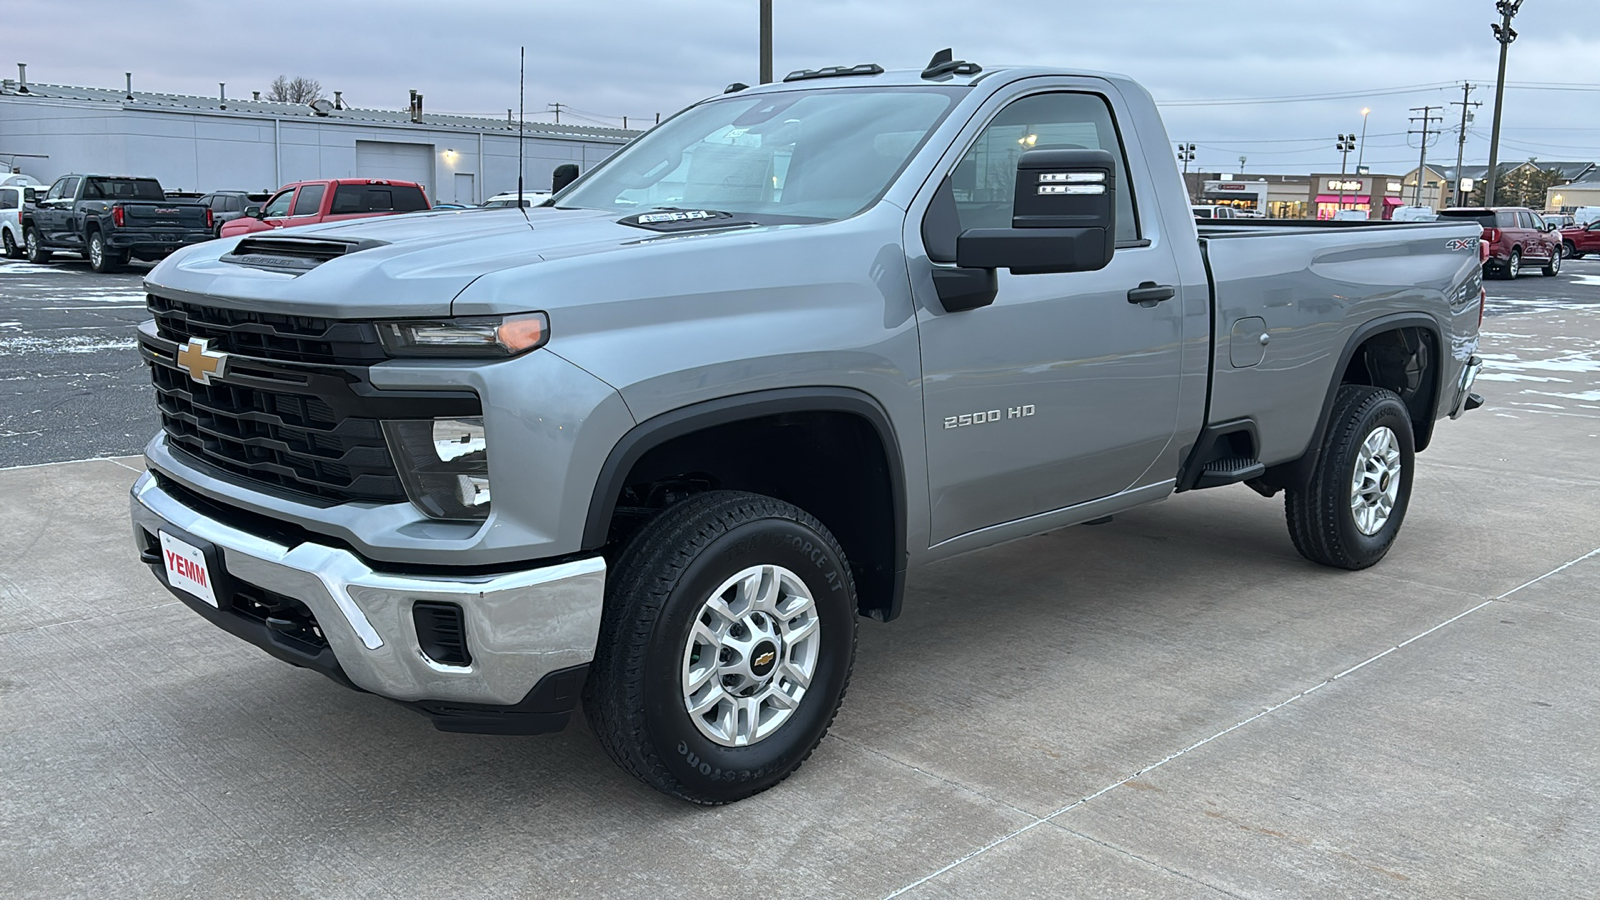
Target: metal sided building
x=214, y=143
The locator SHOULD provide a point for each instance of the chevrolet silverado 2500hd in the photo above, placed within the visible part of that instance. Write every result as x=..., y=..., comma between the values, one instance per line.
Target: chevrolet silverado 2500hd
x=655, y=445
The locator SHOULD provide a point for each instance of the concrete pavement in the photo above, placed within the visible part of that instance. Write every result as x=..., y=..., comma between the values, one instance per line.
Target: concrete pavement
x=1171, y=705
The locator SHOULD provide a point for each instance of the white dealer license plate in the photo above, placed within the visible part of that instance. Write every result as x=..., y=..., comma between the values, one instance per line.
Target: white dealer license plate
x=187, y=569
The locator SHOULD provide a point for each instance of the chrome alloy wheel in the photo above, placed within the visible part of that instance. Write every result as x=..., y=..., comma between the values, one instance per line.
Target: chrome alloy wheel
x=97, y=252
x=1376, y=482
x=751, y=655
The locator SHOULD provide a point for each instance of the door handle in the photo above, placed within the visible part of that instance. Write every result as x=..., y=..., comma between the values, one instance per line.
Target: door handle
x=1149, y=293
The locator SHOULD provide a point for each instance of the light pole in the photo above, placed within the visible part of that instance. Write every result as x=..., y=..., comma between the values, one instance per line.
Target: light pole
x=1186, y=154
x=1347, y=143
x=1505, y=34
x=766, y=41
x=1361, y=148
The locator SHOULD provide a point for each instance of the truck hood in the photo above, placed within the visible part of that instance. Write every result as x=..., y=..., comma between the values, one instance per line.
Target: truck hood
x=406, y=265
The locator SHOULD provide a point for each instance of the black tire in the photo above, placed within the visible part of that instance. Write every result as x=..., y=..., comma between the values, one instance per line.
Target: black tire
x=655, y=596
x=1553, y=267
x=1571, y=250
x=1321, y=522
x=102, y=259
x=36, y=252
x=12, y=251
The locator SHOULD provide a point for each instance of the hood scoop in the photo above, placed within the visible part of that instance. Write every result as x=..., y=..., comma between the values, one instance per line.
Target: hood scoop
x=293, y=254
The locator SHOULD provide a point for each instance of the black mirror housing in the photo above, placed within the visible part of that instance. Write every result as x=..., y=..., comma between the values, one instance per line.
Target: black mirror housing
x=1063, y=219
x=253, y=212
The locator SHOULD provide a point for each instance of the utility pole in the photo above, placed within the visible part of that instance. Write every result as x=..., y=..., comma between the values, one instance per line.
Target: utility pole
x=1505, y=34
x=1461, y=140
x=1427, y=130
x=557, y=107
x=1347, y=143
x=1186, y=155
x=766, y=41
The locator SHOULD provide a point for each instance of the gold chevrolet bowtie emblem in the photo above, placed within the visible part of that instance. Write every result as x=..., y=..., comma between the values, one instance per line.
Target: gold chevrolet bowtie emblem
x=201, y=363
x=765, y=658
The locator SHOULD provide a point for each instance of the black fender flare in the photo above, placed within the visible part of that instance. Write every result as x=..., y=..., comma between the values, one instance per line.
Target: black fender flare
x=1299, y=471
x=657, y=430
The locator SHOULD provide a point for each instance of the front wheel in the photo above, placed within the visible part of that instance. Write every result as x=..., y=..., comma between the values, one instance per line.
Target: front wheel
x=1348, y=514
x=1553, y=267
x=725, y=648
x=37, y=254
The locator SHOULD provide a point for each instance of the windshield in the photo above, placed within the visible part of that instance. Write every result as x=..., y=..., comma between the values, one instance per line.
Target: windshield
x=817, y=154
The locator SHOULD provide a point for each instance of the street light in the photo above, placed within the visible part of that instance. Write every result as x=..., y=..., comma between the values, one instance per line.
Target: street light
x=1347, y=143
x=1505, y=34
x=1186, y=155
x=1361, y=149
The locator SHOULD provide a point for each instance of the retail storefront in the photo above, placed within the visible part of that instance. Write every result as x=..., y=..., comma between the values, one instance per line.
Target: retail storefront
x=1245, y=196
x=1376, y=195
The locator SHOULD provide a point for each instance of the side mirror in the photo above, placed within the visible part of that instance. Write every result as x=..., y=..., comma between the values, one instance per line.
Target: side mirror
x=1549, y=226
x=253, y=212
x=563, y=176
x=1063, y=218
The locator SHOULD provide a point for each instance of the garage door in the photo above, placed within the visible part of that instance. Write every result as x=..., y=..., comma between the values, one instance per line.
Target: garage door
x=396, y=161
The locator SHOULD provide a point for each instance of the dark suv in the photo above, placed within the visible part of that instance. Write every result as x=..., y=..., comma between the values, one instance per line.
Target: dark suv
x=1516, y=236
x=229, y=205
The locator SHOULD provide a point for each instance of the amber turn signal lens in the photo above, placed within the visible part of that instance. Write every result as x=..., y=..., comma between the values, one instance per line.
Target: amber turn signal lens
x=523, y=334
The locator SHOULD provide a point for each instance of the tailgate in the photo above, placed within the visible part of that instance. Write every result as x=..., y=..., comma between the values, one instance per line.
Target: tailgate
x=138, y=215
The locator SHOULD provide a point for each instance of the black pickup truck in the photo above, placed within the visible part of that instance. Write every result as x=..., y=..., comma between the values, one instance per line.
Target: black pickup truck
x=110, y=218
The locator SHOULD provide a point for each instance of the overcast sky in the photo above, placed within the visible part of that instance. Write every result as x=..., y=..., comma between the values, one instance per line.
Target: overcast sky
x=607, y=58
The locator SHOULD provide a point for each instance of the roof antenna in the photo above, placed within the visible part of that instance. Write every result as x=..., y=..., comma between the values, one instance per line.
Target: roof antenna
x=522, y=71
x=944, y=64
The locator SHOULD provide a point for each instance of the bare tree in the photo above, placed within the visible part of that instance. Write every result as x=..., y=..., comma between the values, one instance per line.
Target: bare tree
x=294, y=90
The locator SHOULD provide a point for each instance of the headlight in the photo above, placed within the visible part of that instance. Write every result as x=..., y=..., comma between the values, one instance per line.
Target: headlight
x=444, y=464
x=492, y=336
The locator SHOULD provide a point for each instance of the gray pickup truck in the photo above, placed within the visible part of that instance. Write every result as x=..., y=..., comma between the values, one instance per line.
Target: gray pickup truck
x=657, y=444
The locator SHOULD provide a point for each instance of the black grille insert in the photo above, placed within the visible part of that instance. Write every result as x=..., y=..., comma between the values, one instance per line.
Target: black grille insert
x=441, y=632
x=268, y=335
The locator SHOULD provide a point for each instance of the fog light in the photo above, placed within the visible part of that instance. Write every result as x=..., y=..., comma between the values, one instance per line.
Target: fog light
x=444, y=464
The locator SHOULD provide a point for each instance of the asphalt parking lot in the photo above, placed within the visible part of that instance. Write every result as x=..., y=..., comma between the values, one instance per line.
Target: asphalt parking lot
x=1171, y=705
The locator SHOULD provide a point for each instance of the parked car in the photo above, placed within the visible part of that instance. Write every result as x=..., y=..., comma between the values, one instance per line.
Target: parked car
x=1413, y=214
x=509, y=198
x=1516, y=236
x=1559, y=220
x=16, y=192
x=1581, y=239
x=453, y=206
x=1208, y=211
x=1583, y=215
x=718, y=434
x=229, y=205
x=329, y=200
x=109, y=219
x=1350, y=215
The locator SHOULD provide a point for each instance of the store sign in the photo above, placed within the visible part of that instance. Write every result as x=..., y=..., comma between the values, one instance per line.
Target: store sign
x=1231, y=186
x=1335, y=184
x=1466, y=184
x=1394, y=187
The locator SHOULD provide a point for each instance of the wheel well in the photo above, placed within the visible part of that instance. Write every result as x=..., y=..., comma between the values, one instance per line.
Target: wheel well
x=1406, y=361
x=832, y=464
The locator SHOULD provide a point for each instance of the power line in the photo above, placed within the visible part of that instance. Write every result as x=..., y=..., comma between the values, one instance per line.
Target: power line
x=1427, y=119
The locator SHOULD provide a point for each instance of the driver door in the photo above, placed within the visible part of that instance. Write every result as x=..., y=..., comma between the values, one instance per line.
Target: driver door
x=1062, y=390
x=276, y=212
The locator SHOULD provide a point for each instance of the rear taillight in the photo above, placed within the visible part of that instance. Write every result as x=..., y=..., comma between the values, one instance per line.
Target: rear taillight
x=1492, y=235
x=1483, y=251
x=116, y=216
x=210, y=219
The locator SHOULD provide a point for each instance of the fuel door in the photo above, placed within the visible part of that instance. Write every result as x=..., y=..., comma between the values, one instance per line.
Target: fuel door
x=1248, y=346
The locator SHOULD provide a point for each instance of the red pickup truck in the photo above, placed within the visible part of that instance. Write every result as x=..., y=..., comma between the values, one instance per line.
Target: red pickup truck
x=1580, y=239
x=329, y=200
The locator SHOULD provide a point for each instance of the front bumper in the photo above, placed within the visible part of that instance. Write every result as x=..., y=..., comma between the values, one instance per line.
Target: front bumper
x=531, y=632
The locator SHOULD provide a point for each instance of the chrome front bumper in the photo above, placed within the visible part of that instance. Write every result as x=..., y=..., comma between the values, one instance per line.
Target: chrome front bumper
x=520, y=626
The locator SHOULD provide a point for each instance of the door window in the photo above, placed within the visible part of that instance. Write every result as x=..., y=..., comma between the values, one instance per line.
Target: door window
x=309, y=201
x=278, y=206
x=985, y=180
x=9, y=198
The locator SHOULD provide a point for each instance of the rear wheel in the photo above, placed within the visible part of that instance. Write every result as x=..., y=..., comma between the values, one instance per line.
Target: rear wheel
x=102, y=258
x=1514, y=265
x=11, y=248
x=36, y=251
x=725, y=647
x=1348, y=514
x=1553, y=267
